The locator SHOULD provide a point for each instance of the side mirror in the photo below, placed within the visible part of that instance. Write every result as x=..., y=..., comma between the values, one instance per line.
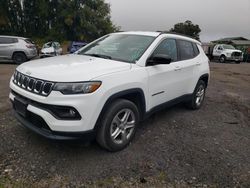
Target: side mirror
x=159, y=59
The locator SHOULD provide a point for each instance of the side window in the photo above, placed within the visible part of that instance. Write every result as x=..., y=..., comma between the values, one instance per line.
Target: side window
x=15, y=40
x=196, y=50
x=5, y=40
x=167, y=47
x=186, y=50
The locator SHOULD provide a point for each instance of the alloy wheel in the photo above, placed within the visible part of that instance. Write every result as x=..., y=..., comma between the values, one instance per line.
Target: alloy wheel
x=122, y=126
x=200, y=95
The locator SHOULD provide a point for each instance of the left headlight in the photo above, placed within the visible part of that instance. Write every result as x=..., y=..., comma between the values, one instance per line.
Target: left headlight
x=77, y=88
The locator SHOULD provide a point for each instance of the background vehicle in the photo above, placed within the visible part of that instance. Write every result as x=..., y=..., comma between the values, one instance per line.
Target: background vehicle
x=75, y=45
x=102, y=93
x=226, y=52
x=51, y=49
x=18, y=49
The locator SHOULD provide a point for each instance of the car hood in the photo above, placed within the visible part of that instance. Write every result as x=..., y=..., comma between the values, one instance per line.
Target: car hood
x=71, y=68
x=47, y=50
x=232, y=50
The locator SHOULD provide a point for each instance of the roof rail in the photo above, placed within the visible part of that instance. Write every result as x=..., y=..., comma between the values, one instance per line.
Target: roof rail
x=175, y=33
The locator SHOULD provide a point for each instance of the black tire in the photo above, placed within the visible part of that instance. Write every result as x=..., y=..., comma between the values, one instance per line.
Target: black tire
x=108, y=122
x=222, y=59
x=195, y=103
x=19, y=57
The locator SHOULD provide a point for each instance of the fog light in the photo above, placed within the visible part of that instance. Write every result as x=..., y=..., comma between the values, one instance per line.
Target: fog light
x=67, y=113
x=72, y=112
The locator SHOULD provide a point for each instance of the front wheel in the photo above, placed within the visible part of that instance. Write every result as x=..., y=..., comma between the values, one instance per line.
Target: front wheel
x=222, y=59
x=118, y=125
x=198, y=96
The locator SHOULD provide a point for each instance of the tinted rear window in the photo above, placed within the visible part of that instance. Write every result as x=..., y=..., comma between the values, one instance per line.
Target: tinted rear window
x=186, y=49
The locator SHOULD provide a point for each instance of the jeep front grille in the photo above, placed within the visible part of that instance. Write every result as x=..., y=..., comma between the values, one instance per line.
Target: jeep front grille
x=34, y=85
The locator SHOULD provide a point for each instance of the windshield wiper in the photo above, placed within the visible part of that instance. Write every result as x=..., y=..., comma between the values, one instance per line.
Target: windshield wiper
x=100, y=55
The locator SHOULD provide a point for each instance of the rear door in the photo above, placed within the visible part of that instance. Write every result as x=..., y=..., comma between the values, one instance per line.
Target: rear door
x=165, y=81
x=189, y=65
x=7, y=46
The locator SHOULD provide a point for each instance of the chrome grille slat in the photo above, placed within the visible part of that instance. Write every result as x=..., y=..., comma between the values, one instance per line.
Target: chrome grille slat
x=37, y=86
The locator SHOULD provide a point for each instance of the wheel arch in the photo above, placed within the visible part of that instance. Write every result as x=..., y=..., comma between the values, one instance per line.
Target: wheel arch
x=18, y=52
x=222, y=55
x=205, y=78
x=135, y=95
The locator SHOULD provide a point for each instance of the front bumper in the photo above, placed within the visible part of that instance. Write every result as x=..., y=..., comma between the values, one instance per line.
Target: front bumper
x=39, y=126
x=88, y=106
x=42, y=55
x=235, y=58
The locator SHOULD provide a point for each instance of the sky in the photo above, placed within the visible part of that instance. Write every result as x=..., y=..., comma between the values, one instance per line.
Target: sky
x=216, y=18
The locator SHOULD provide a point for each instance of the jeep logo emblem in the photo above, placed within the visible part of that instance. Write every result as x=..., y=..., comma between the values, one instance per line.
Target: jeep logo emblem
x=28, y=73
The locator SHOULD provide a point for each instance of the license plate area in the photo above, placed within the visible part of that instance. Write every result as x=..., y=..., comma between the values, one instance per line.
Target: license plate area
x=20, y=106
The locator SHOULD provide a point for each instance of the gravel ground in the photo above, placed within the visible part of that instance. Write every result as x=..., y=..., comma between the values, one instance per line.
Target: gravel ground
x=175, y=147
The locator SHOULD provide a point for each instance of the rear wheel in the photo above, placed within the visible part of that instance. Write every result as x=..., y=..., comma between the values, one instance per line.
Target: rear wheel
x=198, y=96
x=19, y=57
x=118, y=125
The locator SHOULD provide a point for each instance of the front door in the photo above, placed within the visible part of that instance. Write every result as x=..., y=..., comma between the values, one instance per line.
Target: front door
x=165, y=80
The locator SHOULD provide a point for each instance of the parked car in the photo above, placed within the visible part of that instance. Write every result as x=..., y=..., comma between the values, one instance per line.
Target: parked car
x=226, y=52
x=103, y=94
x=74, y=46
x=18, y=49
x=51, y=49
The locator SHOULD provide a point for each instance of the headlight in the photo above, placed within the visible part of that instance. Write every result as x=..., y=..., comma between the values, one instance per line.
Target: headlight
x=77, y=88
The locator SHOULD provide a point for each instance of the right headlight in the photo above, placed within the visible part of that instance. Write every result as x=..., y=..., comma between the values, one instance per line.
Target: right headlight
x=77, y=87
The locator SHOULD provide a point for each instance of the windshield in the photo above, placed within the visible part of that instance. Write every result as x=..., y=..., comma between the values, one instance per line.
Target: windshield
x=228, y=47
x=47, y=45
x=121, y=47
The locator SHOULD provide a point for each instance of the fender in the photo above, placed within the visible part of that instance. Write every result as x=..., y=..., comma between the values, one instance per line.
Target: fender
x=126, y=94
x=205, y=78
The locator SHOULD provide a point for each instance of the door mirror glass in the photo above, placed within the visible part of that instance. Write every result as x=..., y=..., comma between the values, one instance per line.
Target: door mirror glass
x=159, y=59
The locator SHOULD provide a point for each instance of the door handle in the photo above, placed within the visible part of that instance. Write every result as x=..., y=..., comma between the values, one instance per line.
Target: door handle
x=198, y=64
x=177, y=68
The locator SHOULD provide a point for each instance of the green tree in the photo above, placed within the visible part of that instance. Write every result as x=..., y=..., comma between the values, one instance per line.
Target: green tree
x=85, y=19
x=56, y=19
x=36, y=17
x=4, y=20
x=11, y=17
x=15, y=16
x=187, y=28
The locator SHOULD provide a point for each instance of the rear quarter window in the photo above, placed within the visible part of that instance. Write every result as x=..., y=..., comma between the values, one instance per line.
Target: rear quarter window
x=196, y=50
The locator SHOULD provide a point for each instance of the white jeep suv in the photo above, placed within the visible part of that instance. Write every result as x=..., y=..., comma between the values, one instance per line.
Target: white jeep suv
x=104, y=89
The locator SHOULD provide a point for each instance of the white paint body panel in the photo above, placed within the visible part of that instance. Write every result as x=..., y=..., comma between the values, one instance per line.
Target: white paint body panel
x=115, y=77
